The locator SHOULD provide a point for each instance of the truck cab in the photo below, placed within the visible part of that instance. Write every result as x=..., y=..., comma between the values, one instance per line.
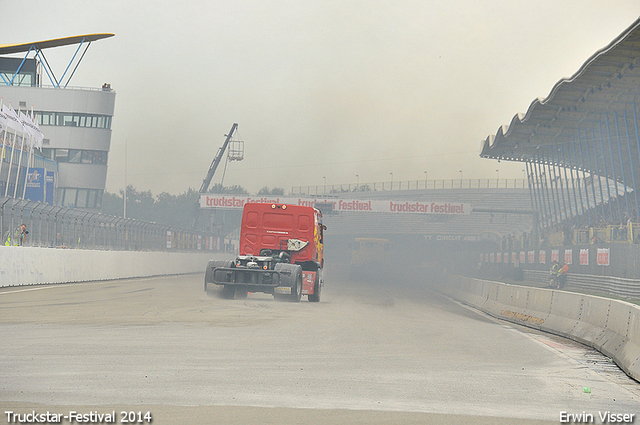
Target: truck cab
x=281, y=253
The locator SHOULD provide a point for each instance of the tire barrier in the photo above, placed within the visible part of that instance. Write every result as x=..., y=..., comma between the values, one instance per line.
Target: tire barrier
x=610, y=326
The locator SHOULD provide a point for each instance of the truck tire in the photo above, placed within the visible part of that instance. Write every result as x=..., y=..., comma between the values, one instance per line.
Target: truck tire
x=241, y=293
x=317, y=289
x=208, y=273
x=228, y=292
x=292, y=280
x=296, y=288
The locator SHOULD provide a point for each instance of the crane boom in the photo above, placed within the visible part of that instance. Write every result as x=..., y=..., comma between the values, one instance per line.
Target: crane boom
x=216, y=160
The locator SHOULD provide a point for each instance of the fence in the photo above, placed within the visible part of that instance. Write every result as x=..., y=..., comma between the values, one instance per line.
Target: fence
x=612, y=285
x=55, y=226
x=622, y=260
x=411, y=185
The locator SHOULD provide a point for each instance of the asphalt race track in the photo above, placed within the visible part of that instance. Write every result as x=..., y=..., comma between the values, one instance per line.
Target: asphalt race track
x=391, y=352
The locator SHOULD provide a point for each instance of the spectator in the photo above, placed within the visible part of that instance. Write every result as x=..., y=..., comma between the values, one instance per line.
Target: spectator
x=17, y=237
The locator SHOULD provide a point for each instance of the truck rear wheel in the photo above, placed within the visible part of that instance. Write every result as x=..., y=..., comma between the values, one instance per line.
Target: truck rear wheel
x=208, y=274
x=290, y=276
x=228, y=292
x=296, y=288
x=315, y=297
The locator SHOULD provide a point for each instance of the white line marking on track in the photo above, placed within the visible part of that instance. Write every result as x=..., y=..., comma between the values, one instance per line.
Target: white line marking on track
x=66, y=285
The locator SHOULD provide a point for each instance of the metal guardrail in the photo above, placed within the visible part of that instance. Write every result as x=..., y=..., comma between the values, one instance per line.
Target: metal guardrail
x=411, y=185
x=55, y=226
x=617, y=286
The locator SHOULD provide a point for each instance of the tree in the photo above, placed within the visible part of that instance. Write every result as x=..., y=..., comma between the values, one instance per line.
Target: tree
x=275, y=191
x=165, y=208
x=112, y=204
x=235, y=189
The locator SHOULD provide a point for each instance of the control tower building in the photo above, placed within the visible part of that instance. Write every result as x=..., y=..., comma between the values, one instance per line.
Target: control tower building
x=75, y=121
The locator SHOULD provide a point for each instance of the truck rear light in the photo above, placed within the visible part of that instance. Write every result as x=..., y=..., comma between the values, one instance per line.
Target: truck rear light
x=264, y=267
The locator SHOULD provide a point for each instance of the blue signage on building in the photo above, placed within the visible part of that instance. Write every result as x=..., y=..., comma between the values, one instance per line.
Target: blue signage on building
x=50, y=187
x=35, y=185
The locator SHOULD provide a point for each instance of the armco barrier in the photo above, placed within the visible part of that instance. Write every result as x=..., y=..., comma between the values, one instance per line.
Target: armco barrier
x=610, y=326
x=34, y=265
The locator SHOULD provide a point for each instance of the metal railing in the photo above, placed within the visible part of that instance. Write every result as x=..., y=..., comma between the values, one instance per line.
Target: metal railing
x=55, y=226
x=411, y=185
x=612, y=285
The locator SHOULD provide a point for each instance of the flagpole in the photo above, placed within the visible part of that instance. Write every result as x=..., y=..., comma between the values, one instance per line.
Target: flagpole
x=13, y=148
x=15, y=187
x=125, y=179
x=4, y=130
x=30, y=156
x=15, y=122
x=4, y=150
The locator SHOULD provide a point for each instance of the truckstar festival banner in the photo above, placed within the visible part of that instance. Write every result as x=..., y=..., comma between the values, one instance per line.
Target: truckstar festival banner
x=357, y=205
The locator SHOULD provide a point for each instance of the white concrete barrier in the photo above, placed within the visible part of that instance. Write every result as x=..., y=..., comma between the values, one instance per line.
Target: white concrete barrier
x=34, y=265
x=610, y=326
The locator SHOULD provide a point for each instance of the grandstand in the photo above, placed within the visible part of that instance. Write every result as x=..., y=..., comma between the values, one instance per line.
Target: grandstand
x=581, y=144
x=581, y=149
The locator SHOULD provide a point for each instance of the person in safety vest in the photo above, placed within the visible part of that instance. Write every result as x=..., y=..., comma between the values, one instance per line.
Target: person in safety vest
x=553, y=274
x=562, y=276
x=17, y=237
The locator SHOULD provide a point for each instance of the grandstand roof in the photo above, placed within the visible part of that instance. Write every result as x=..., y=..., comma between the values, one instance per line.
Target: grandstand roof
x=6, y=49
x=584, y=116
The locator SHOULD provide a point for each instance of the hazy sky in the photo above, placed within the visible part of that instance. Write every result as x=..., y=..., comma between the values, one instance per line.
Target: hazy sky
x=319, y=89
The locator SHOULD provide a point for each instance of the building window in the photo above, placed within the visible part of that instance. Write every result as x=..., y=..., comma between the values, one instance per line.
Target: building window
x=80, y=198
x=74, y=119
x=46, y=118
x=92, y=199
x=76, y=156
x=61, y=155
x=69, y=197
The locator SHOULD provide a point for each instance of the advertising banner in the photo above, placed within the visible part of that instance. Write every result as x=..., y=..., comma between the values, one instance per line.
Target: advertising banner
x=602, y=257
x=584, y=257
x=531, y=257
x=353, y=205
x=542, y=257
x=568, y=256
x=555, y=255
x=35, y=185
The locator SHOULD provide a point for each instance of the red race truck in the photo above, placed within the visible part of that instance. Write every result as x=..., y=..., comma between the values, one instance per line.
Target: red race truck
x=281, y=250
